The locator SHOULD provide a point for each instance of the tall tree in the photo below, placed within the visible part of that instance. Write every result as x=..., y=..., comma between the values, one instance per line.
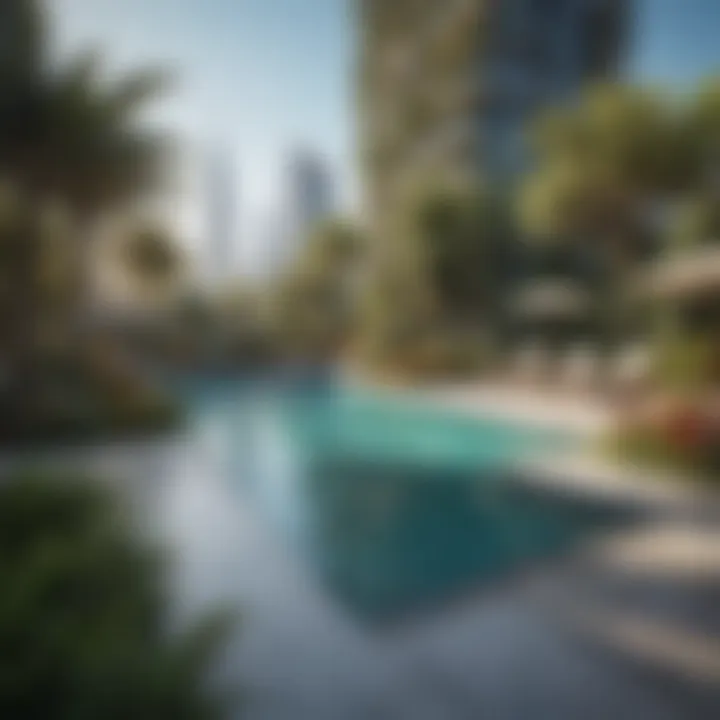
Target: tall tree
x=604, y=170
x=702, y=130
x=315, y=302
x=69, y=137
x=69, y=134
x=152, y=259
x=464, y=239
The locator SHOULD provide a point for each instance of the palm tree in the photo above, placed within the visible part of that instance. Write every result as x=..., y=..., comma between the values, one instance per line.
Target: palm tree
x=71, y=136
x=67, y=137
x=464, y=238
x=33, y=274
x=68, y=134
x=152, y=259
x=314, y=304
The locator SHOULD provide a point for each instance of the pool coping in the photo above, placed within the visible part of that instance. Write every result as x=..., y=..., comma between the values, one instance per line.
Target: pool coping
x=550, y=411
x=583, y=473
x=593, y=477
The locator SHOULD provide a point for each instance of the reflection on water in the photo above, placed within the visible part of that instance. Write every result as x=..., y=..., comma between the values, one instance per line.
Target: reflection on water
x=391, y=510
x=393, y=537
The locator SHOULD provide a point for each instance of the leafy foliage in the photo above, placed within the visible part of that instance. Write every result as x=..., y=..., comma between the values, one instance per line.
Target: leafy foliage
x=315, y=302
x=438, y=300
x=605, y=165
x=610, y=175
x=460, y=240
x=682, y=432
x=72, y=148
x=698, y=222
x=151, y=256
x=55, y=389
x=83, y=626
x=683, y=362
x=73, y=135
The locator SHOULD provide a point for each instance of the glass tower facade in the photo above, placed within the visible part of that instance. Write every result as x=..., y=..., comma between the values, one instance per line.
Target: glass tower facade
x=539, y=53
x=448, y=87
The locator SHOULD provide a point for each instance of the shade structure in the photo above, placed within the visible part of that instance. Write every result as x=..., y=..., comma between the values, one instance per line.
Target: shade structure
x=552, y=300
x=693, y=274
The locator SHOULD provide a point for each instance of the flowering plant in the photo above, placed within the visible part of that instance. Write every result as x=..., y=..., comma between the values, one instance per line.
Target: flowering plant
x=681, y=432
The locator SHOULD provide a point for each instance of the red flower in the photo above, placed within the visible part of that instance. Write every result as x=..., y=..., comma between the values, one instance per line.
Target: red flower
x=689, y=430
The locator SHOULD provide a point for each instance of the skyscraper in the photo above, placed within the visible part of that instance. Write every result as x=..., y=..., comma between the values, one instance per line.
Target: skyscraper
x=310, y=194
x=539, y=52
x=221, y=220
x=447, y=87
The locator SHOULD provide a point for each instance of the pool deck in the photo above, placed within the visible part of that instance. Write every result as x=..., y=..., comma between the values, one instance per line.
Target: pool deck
x=589, y=475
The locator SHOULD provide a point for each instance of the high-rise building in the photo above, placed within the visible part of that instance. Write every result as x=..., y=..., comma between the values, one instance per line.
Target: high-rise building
x=310, y=197
x=447, y=87
x=221, y=215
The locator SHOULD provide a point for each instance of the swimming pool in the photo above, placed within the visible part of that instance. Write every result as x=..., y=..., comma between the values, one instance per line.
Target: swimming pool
x=391, y=507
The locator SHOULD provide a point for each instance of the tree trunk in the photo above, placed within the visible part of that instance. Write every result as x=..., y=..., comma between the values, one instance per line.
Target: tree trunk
x=21, y=397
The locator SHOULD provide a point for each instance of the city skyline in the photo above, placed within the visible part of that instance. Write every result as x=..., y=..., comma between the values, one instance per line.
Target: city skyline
x=310, y=195
x=243, y=69
x=222, y=215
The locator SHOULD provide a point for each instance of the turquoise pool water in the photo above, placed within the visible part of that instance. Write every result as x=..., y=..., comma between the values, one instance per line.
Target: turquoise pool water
x=392, y=507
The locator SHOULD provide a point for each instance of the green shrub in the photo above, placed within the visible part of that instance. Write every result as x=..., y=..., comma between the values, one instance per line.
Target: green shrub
x=144, y=410
x=641, y=445
x=438, y=354
x=81, y=398
x=684, y=363
x=83, y=627
x=683, y=435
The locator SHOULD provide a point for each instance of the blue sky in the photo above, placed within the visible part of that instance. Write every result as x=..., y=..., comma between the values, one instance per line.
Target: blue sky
x=676, y=41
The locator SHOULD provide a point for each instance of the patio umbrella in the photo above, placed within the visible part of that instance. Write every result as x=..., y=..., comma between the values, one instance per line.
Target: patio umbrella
x=693, y=274
x=552, y=300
